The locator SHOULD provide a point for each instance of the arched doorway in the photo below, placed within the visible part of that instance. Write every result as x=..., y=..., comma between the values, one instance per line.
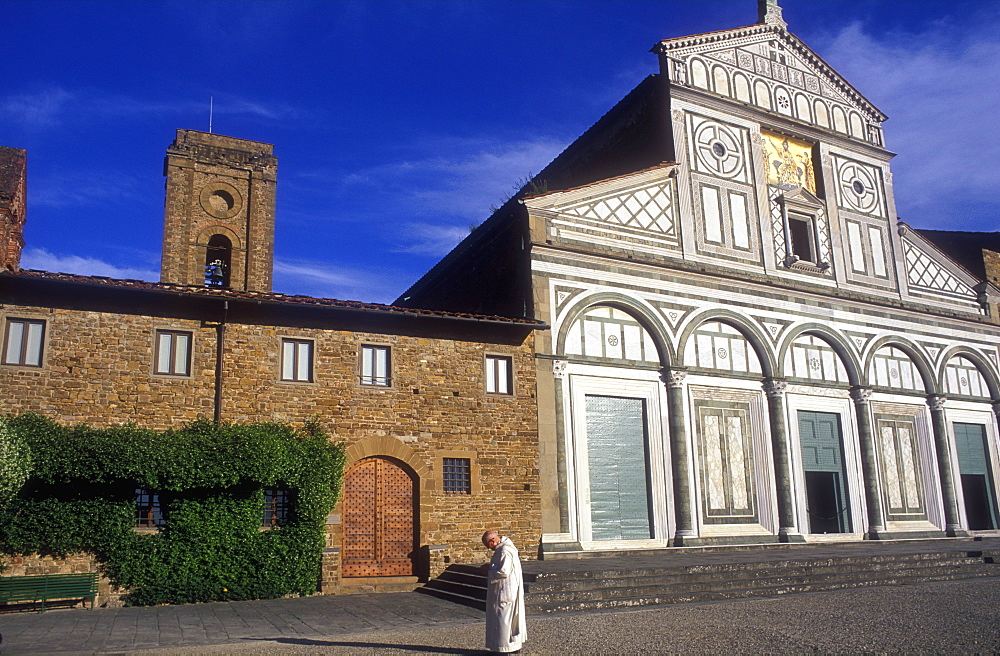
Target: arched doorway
x=379, y=511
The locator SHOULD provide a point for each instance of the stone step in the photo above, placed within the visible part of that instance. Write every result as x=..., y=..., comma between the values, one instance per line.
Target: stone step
x=751, y=568
x=622, y=582
x=767, y=580
x=745, y=572
x=716, y=595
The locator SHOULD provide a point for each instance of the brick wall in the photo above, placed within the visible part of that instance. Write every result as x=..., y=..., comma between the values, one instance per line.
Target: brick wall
x=13, y=197
x=98, y=369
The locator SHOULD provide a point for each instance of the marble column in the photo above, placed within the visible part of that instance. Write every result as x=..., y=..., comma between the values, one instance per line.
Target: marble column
x=869, y=461
x=558, y=379
x=679, y=455
x=775, y=391
x=952, y=521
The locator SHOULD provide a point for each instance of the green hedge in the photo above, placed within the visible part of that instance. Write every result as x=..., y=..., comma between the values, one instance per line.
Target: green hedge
x=210, y=478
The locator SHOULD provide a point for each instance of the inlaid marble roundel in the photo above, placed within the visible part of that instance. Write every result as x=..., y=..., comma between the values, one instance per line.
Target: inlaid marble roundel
x=718, y=150
x=859, y=188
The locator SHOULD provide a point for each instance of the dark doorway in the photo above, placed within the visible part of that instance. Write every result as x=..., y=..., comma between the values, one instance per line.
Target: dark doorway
x=977, y=477
x=978, y=502
x=823, y=466
x=826, y=509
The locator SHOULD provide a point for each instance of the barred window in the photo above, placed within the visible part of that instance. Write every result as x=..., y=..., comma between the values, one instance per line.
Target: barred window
x=277, y=507
x=148, y=513
x=457, y=476
x=23, y=342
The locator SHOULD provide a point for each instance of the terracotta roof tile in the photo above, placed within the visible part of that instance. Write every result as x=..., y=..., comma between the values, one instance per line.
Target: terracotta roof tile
x=266, y=297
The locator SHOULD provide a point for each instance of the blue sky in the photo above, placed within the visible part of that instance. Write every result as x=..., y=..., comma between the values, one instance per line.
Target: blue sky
x=398, y=124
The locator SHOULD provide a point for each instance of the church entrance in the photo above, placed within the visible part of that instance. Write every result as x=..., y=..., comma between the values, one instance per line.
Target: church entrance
x=977, y=482
x=825, y=477
x=379, y=519
x=618, y=457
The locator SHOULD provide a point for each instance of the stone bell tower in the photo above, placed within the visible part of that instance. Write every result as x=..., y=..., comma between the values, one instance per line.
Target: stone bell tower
x=218, y=226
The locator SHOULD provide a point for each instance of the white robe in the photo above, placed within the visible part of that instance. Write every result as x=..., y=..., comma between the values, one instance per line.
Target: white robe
x=505, y=625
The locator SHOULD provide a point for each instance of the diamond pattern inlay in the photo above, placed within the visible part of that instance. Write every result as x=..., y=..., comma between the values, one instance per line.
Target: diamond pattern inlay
x=922, y=271
x=647, y=208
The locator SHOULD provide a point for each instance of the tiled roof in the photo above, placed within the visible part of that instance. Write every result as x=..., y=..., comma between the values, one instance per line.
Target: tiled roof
x=260, y=297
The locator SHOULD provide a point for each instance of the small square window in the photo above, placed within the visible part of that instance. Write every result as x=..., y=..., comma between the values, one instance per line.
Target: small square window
x=173, y=353
x=148, y=513
x=457, y=476
x=498, y=375
x=277, y=506
x=23, y=342
x=375, y=366
x=297, y=360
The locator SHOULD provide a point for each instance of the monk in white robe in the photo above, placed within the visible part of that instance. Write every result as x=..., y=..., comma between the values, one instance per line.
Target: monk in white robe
x=505, y=622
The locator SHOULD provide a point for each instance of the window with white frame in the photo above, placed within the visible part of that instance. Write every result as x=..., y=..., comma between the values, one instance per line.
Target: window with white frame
x=375, y=365
x=297, y=360
x=23, y=341
x=173, y=353
x=498, y=375
x=802, y=237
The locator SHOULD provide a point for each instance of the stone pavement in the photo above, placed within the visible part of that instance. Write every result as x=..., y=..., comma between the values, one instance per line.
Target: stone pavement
x=957, y=616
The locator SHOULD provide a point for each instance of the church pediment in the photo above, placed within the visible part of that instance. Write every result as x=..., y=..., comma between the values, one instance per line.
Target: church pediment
x=766, y=66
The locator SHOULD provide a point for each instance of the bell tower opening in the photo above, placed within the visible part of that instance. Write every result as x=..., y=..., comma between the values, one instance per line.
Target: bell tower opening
x=218, y=259
x=218, y=226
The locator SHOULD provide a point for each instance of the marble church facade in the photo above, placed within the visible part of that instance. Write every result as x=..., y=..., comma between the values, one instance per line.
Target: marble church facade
x=745, y=345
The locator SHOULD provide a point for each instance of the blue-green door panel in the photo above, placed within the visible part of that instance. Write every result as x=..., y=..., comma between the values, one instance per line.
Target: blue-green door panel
x=617, y=454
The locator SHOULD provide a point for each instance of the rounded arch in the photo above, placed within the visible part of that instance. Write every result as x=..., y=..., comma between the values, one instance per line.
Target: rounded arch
x=822, y=113
x=762, y=93
x=836, y=341
x=839, y=119
x=783, y=101
x=205, y=236
x=699, y=73
x=386, y=447
x=644, y=315
x=803, y=110
x=857, y=125
x=720, y=81
x=741, y=88
x=756, y=337
x=915, y=354
x=979, y=360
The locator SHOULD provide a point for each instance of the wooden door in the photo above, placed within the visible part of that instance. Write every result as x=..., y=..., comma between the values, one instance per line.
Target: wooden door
x=379, y=511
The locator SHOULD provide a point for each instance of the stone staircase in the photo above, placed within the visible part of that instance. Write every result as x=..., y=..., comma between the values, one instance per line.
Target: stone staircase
x=638, y=579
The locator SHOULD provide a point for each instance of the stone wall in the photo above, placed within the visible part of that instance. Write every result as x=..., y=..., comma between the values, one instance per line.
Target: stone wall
x=97, y=368
x=33, y=565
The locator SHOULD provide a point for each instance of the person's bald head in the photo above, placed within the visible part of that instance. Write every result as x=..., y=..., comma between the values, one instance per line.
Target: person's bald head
x=491, y=540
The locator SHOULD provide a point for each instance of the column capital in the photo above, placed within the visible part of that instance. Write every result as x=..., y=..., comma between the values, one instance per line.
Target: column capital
x=775, y=386
x=559, y=369
x=673, y=377
x=936, y=402
x=861, y=394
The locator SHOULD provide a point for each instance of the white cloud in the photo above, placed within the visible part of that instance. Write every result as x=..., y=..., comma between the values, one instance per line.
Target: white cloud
x=324, y=281
x=83, y=187
x=56, y=105
x=39, y=258
x=430, y=239
x=36, y=109
x=938, y=89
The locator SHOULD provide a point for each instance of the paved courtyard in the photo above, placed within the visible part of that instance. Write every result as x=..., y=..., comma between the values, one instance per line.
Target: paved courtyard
x=944, y=617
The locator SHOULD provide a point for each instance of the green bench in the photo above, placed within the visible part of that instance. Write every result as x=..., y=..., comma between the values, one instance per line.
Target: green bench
x=48, y=587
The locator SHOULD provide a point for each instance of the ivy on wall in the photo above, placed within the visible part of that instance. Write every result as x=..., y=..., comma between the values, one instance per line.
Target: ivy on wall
x=210, y=480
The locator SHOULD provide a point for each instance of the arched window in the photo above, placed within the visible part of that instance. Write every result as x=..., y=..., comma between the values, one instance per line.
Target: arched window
x=218, y=257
